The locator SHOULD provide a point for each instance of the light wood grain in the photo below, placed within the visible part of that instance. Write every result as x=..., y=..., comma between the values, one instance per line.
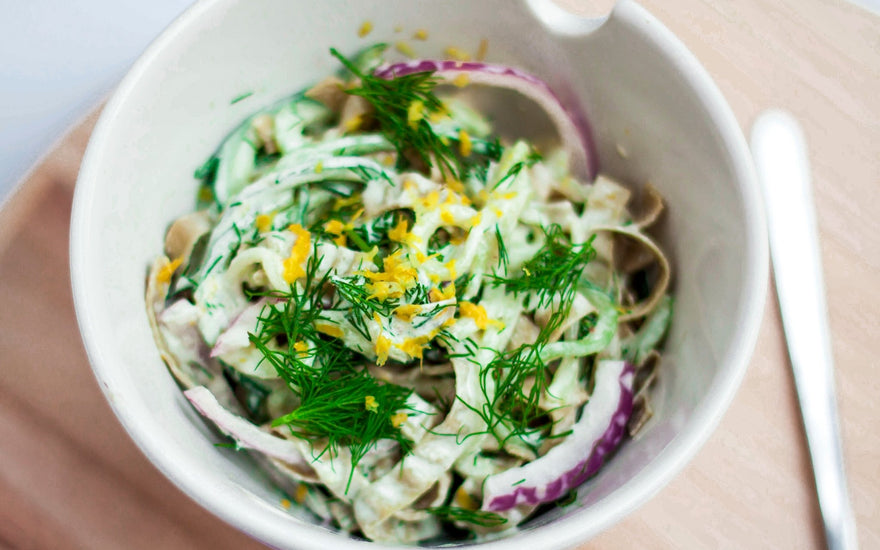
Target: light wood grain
x=71, y=478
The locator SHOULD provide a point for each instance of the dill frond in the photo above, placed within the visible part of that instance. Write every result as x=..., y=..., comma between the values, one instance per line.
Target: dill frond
x=394, y=101
x=325, y=376
x=554, y=271
x=514, y=170
x=475, y=517
x=521, y=376
x=502, y=249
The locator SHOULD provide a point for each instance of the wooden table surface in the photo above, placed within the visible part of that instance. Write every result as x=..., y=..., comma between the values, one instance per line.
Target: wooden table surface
x=71, y=478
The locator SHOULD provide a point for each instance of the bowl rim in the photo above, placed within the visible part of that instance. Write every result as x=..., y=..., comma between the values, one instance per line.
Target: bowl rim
x=567, y=531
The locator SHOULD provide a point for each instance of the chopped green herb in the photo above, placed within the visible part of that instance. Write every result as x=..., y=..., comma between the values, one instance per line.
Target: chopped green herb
x=324, y=374
x=475, y=517
x=402, y=106
x=241, y=97
x=502, y=249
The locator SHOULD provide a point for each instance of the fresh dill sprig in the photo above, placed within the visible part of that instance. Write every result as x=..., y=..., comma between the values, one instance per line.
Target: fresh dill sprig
x=426, y=316
x=418, y=294
x=322, y=372
x=567, y=500
x=241, y=97
x=333, y=409
x=513, y=382
x=554, y=271
x=353, y=290
x=292, y=314
x=362, y=306
x=394, y=100
x=462, y=283
x=490, y=149
x=502, y=249
x=374, y=232
x=514, y=170
x=207, y=172
x=475, y=517
x=519, y=379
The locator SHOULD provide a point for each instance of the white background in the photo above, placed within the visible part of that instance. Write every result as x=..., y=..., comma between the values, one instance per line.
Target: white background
x=59, y=58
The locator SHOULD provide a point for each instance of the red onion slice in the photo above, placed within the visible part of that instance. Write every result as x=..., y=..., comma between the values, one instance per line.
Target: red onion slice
x=235, y=337
x=570, y=121
x=599, y=431
x=245, y=433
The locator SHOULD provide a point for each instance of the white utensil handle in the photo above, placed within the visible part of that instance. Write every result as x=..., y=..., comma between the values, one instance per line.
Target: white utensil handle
x=781, y=160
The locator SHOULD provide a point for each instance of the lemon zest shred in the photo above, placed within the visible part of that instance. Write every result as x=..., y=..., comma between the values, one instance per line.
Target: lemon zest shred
x=413, y=347
x=482, y=49
x=399, y=231
x=479, y=315
x=299, y=252
x=167, y=271
x=365, y=28
x=353, y=124
x=342, y=202
x=302, y=491
x=382, y=290
x=383, y=346
x=335, y=227
x=455, y=185
x=398, y=419
x=329, y=330
x=415, y=113
x=263, y=222
x=431, y=200
x=406, y=312
x=464, y=143
x=457, y=54
x=450, y=265
x=465, y=500
x=370, y=403
x=405, y=49
x=401, y=234
x=437, y=295
x=437, y=116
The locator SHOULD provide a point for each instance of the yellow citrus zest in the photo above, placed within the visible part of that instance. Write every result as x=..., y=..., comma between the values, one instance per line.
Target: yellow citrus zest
x=398, y=419
x=167, y=270
x=370, y=403
x=294, y=267
x=383, y=346
x=365, y=29
x=263, y=222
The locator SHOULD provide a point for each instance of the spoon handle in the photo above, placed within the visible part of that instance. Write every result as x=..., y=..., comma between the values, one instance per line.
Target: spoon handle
x=781, y=160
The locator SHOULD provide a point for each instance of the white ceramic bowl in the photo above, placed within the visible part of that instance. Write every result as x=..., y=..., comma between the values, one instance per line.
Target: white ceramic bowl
x=645, y=94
